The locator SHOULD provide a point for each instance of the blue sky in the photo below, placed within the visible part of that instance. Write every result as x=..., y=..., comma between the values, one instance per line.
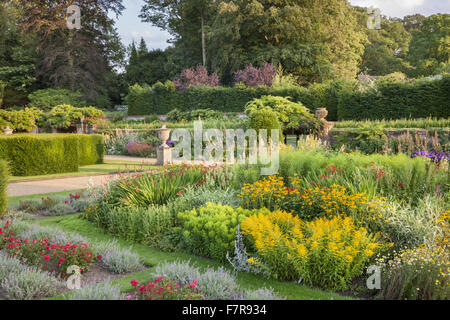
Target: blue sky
x=130, y=26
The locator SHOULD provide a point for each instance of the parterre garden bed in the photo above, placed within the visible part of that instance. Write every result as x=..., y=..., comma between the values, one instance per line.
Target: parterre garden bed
x=321, y=221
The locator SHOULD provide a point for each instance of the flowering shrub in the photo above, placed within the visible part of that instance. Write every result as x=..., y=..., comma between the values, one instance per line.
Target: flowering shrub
x=419, y=273
x=271, y=192
x=165, y=289
x=52, y=257
x=324, y=252
x=209, y=231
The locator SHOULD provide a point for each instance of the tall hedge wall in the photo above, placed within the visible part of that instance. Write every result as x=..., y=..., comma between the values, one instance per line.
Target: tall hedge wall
x=397, y=100
x=4, y=175
x=340, y=98
x=40, y=154
x=91, y=149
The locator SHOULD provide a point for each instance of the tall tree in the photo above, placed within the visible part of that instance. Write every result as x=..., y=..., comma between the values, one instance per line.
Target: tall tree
x=17, y=56
x=387, y=47
x=74, y=59
x=429, y=48
x=314, y=40
x=187, y=21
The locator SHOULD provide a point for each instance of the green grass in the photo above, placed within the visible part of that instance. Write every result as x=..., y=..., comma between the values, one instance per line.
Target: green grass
x=12, y=201
x=109, y=166
x=152, y=257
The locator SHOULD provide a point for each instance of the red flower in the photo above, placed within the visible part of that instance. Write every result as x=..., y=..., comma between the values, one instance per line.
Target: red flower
x=77, y=196
x=46, y=257
x=99, y=257
x=134, y=283
x=66, y=202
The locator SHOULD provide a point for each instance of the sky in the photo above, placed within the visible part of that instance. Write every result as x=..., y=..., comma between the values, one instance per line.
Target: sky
x=131, y=28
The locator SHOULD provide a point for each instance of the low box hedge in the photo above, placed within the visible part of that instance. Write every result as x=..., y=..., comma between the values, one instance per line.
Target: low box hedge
x=4, y=175
x=41, y=154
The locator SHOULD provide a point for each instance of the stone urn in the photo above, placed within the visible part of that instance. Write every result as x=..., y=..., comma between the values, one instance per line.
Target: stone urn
x=321, y=113
x=7, y=130
x=164, y=134
x=164, y=152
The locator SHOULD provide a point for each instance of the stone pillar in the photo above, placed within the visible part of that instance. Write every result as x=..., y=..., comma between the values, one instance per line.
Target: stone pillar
x=164, y=152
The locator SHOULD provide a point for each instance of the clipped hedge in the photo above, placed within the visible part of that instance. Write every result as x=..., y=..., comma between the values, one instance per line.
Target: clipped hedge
x=41, y=154
x=91, y=149
x=419, y=99
x=162, y=98
x=4, y=175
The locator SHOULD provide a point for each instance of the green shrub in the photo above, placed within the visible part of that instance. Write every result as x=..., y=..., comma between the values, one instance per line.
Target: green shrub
x=49, y=98
x=142, y=225
x=420, y=99
x=42, y=154
x=294, y=117
x=209, y=231
x=4, y=176
x=266, y=119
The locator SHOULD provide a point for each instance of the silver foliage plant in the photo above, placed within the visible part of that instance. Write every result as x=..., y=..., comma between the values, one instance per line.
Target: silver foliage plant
x=20, y=282
x=116, y=259
x=103, y=291
x=216, y=284
x=240, y=259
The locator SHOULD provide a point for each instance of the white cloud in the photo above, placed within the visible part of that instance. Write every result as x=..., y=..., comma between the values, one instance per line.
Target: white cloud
x=401, y=8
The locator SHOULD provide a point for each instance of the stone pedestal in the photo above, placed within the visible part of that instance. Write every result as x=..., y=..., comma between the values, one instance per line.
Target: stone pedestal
x=164, y=152
x=163, y=155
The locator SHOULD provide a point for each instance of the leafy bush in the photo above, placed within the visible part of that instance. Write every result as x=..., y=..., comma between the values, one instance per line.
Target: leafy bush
x=209, y=231
x=254, y=77
x=102, y=291
x=48, y=98
x=420, y=273
x=195, y=77
x=4, y=177
x=20, y=120
x=325, y=253
x=49, y=153
x=266, y=119
x=293, y=116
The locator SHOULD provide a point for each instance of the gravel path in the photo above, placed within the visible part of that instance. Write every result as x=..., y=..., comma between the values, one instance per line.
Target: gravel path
x=23, y=188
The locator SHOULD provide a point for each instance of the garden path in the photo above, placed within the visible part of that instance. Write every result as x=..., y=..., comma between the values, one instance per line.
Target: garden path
x=23, y=188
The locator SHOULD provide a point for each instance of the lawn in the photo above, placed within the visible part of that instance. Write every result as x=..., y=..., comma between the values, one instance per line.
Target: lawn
x=108, y=167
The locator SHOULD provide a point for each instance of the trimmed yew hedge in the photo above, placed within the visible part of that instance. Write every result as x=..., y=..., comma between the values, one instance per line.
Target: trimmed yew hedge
x=41, y=154
x=4, y=176
x=342, y=99
x=421, y=99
